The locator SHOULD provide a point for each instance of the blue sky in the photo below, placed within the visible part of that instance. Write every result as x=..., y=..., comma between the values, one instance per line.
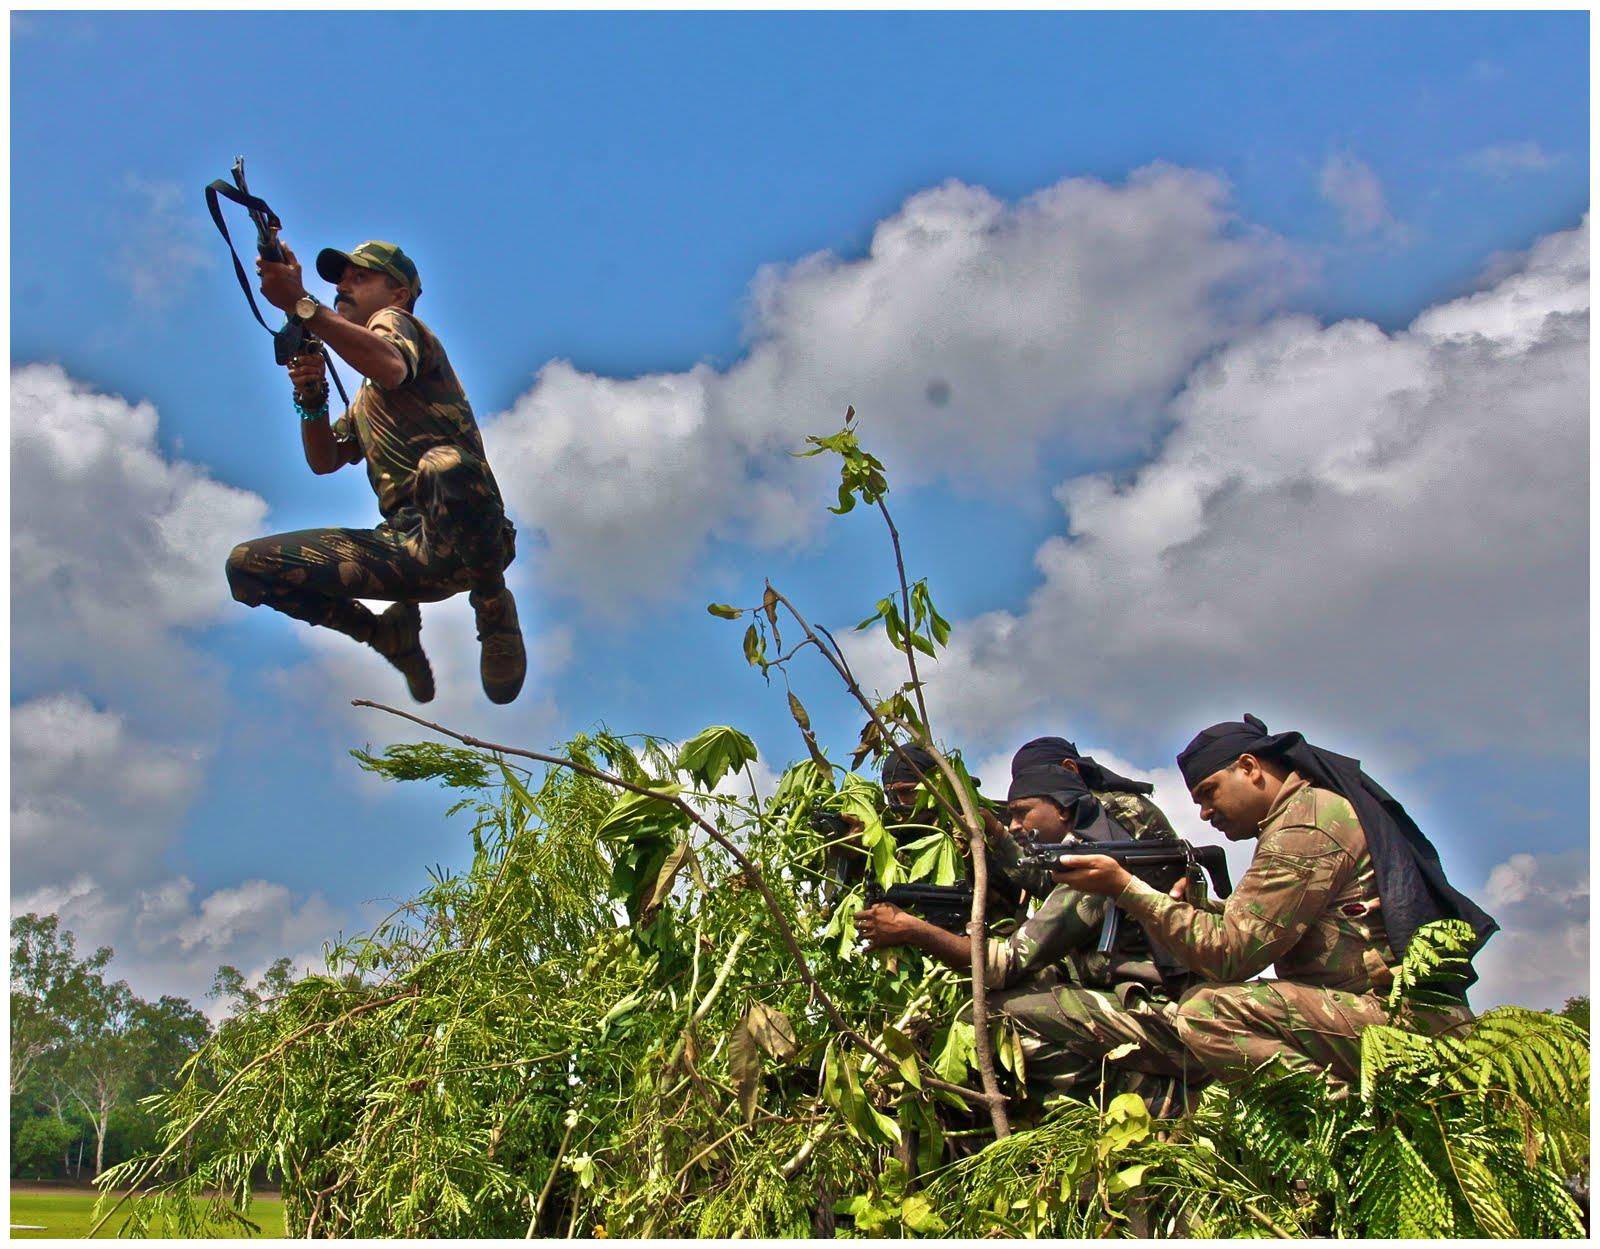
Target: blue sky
x=604, y=190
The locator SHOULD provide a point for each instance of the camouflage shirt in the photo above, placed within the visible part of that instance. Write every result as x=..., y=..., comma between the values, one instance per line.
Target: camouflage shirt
x=392, y=427
x=1309, y=904
x=1063, y=932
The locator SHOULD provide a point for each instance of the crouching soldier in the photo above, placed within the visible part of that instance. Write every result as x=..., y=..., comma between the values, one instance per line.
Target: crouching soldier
x=910, y=814
x=1341, y=879
x=1071, y=1004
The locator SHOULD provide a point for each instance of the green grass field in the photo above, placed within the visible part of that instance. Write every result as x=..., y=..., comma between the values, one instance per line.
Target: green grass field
x=70, y=1213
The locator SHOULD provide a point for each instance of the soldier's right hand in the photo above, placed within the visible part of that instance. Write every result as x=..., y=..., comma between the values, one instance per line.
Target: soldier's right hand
x=309, y=373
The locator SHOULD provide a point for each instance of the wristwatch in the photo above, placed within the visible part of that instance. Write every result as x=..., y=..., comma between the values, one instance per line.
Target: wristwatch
x=306, y=307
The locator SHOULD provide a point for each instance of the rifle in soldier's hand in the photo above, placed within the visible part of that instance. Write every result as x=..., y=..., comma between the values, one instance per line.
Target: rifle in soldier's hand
x=944, y=906
x=292, y=338
x=1160, y=864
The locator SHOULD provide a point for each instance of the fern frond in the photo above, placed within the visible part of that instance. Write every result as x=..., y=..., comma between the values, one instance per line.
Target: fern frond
x=1398, y=1192
x=1538, y=1057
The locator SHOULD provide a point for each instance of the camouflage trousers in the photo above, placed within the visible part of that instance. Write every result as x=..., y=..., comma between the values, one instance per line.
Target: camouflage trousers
x=456, y=538
x=1234, y=1029
x=1212, y=1031
x=1066, y=1033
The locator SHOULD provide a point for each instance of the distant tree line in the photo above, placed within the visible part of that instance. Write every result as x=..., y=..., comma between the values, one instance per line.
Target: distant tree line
x=86, y=1049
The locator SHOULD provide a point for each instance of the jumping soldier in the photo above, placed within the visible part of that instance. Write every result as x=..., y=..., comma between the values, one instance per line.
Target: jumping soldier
x=444, y=527
x=1341, y=879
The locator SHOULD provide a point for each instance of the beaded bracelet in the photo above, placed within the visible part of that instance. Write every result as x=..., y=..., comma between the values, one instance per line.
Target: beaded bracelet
x=318, y=412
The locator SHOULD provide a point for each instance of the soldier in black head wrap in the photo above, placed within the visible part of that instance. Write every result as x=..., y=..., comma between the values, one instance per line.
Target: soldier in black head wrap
x=1071, y=1004
x=1095, y=775
x=903, y=770
x=1411, y=880
x=1340, y=880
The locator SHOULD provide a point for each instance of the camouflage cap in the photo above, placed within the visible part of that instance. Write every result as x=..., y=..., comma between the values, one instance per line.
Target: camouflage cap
x=373, y=254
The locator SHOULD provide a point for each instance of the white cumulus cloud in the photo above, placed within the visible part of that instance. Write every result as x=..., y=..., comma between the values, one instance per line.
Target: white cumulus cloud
x=972, y=332
x=117, y=558
x=1385, y=532
x=115, y=548
x=1541, y=956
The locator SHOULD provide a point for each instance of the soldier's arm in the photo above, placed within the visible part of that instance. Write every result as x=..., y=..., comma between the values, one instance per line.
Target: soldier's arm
x=326, y=448
x=373, y=355
x=325, y=452
x=884, y=926
x=378, y=353
x=1296, y=871
x=1069, y=920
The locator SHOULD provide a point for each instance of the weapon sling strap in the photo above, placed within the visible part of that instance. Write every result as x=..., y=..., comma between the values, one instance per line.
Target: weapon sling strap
x=253, y=203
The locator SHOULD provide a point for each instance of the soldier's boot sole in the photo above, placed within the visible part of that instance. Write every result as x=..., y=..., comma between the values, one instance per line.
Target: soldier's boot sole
x=503, y=662
x=399, y=640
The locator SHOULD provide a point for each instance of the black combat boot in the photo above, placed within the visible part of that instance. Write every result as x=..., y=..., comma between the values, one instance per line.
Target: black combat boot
x=397, y=636
x=504, y=662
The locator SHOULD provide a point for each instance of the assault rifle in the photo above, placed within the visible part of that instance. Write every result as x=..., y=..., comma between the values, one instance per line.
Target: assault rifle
x=1160, y=864
x=945, y=906
x=293, y=338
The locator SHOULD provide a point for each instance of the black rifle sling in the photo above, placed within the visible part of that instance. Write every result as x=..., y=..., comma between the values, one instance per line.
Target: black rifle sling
x=254, y=204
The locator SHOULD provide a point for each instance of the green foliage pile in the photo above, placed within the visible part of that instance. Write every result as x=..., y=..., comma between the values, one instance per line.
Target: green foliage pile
x=512, y=1049
x=506, y=1053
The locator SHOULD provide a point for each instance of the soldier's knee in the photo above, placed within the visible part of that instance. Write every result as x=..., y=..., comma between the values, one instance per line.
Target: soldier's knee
x=1201, y=1010
x=439, y=461
x=1211, y=1021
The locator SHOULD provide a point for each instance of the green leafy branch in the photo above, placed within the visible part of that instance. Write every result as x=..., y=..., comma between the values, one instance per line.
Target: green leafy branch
x=912, y=625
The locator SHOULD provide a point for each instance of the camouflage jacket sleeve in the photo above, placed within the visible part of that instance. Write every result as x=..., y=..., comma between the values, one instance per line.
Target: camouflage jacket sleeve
x=1296, y=871
x=400, y=332
x=1068, y=920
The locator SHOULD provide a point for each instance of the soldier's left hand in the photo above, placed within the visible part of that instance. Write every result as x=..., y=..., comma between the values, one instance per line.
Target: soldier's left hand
x=280, y=283
x=1092, y=873
x=882, y=925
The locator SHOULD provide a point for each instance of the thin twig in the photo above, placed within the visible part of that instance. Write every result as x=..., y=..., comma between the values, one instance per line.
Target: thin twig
x=1266, y=1222
x=905, y=609
x=978, y=936
x=969, y=819
x=550, y=1180
x=716, y=1144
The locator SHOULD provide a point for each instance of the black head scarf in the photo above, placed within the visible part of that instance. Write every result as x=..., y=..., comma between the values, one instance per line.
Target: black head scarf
x=1411, y=880
x=902, y=764
x=1037, y=772
x=1095, y=775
